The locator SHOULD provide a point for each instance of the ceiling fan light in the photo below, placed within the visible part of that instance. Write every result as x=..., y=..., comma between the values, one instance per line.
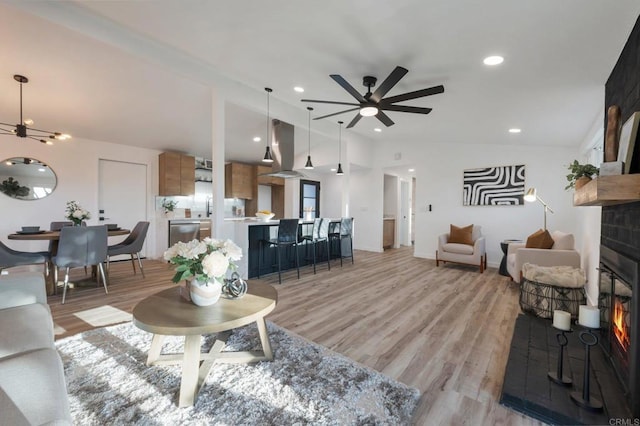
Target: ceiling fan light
x=339, y=172
x=309, y=165
x=368, y=111
x=267, y=156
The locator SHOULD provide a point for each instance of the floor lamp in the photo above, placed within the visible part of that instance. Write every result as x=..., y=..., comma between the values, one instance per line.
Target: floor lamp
x=531, y=196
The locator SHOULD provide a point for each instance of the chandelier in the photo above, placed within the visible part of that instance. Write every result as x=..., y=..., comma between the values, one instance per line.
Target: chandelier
x=22, y=130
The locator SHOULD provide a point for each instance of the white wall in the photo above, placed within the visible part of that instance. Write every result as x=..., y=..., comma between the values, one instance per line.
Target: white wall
x=439, y=169
x=75, y=163
x=366, y=200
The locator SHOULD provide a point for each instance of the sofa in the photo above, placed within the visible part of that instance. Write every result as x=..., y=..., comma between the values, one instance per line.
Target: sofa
x=32, y=384
x=561, y=253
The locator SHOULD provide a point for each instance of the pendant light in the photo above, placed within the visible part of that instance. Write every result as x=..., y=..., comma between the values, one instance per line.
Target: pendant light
x=340, y=172
x=267, y=154
x=22, y=130
x=309, y=165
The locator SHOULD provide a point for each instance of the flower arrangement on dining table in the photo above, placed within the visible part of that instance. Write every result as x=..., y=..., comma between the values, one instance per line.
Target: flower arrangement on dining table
x=75, y=213
x=204, y=261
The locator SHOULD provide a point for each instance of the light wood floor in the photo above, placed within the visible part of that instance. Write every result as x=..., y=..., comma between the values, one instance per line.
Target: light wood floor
x=445, y=331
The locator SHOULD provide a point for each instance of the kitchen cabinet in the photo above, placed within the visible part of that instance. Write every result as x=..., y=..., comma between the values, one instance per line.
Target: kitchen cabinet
x=267, y=180
x=388, y=233
x=176, y=174
x=205, y=229
x=239, y=181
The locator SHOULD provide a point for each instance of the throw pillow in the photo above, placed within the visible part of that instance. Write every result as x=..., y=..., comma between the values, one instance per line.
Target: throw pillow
x=461, y=235
x=541, y=239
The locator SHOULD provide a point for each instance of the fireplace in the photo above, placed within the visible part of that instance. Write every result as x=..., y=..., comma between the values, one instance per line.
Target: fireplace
x=618, y=303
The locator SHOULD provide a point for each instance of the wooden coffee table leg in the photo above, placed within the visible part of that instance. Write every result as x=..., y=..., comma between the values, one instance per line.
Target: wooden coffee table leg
x=154, y=350
x=264, y=339
x=190, y=368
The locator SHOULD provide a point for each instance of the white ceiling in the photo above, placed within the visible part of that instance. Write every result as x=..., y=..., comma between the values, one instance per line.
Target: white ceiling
x=140, y=73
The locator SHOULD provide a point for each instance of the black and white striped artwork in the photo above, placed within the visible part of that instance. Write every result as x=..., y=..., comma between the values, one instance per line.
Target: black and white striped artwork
x=494, y=186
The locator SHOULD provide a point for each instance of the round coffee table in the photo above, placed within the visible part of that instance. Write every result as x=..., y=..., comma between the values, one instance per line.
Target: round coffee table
x=168, y=314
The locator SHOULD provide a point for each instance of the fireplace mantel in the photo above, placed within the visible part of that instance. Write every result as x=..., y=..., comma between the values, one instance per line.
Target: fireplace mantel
x=608, y=191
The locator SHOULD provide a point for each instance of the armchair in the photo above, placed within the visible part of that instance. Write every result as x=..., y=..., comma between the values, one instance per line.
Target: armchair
x=463, y=253
x=562, y=253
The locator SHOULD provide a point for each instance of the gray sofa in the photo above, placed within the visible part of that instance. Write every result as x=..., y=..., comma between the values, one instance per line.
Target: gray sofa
x=32, y=386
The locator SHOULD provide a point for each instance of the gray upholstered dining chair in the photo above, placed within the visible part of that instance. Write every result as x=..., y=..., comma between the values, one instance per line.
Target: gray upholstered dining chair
x=81, y=246
x=10, y=258
x=132, y=245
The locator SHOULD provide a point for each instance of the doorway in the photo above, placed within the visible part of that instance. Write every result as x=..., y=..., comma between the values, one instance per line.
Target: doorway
x=122, y=194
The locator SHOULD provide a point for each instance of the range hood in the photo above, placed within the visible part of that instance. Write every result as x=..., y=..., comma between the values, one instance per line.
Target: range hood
x=282, y=151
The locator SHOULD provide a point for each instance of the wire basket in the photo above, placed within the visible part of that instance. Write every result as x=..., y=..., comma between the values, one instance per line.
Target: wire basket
x=542, y=299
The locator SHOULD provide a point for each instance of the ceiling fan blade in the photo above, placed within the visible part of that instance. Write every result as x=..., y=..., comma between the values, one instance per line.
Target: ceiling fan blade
x=328, y=102
x=349, y=88
x=337, y=113
x=403, y=108
x=384, y=118
x=413, y=95
x=354, y=121
x=388, y=83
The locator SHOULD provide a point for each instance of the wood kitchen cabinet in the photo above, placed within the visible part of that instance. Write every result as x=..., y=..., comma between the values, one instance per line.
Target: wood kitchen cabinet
x=388, y=233
x=176, y=174
x=267, y=180
x=239, y=181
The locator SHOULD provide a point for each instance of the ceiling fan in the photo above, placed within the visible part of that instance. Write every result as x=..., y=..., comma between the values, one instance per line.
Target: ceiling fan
x=375, y=103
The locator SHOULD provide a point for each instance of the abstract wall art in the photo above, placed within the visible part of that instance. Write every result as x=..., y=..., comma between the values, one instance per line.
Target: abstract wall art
x=494, y=186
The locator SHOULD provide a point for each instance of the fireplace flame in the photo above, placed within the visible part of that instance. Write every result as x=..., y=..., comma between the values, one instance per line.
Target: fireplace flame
x=620, y=328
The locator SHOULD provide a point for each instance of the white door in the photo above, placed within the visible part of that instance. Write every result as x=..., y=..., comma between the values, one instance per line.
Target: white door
x=122, y=195
x=404, y=213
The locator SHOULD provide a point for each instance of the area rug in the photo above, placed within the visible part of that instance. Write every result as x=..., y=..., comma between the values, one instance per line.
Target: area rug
x=109, y=383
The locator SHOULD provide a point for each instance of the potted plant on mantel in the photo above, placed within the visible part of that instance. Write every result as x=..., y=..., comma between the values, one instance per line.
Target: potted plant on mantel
x=580, y=174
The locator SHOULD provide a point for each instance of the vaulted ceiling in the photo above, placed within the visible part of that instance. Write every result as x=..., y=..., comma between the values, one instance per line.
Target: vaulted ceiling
x=141, y=73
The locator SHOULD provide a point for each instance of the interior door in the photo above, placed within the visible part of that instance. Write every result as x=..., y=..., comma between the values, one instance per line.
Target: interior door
x=122, y=195
x=404, y=213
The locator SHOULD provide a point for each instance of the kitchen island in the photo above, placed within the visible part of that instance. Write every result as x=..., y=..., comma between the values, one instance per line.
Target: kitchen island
x=248, y=233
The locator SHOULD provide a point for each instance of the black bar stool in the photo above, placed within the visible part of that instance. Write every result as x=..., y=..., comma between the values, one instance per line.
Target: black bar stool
x=320, y=233
x=287, y=237
x=342, y=233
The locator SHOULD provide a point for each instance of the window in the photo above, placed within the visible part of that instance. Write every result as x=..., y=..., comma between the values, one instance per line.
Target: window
x=309, y=198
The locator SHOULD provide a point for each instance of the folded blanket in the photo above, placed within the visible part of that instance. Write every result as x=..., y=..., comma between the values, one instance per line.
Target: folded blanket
x=560, y=276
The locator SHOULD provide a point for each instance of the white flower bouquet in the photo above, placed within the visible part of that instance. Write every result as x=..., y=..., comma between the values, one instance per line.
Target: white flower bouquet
x=205, y=260
x=75, y=213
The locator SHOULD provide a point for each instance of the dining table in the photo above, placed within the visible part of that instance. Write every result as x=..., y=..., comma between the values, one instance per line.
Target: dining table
x=54, y=236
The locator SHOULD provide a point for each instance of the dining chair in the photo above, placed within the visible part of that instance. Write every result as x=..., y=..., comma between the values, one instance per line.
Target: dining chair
x=319, y=234
x=81, y=246
x=10, y=258
x=287, y=237
x=132, y=245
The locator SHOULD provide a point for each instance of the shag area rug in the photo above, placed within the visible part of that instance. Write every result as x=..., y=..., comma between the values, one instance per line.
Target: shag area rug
x=109, y=383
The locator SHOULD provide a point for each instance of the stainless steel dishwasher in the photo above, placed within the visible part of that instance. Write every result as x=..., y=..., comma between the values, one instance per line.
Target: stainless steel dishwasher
x=183, y=231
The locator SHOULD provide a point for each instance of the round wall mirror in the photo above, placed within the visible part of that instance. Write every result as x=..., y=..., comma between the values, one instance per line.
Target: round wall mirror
x=26, y=178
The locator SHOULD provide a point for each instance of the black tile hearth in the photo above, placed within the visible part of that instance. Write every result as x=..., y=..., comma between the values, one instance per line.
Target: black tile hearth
x=527, y=389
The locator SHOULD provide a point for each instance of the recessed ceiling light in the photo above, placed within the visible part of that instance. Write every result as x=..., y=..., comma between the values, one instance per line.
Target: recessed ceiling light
x=299, y=89
x=257, y=139
x=493, y=60
x=377, y=129
x=333, y=170
x=412, y=170
x=515, y=130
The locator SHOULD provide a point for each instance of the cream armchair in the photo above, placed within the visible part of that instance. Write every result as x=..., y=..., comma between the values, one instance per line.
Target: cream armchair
x=463, y=253
x=562, y=253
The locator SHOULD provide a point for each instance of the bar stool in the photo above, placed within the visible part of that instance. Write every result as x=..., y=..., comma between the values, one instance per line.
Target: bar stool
x=287, y=237
x=320, y=233
x=343, y=232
